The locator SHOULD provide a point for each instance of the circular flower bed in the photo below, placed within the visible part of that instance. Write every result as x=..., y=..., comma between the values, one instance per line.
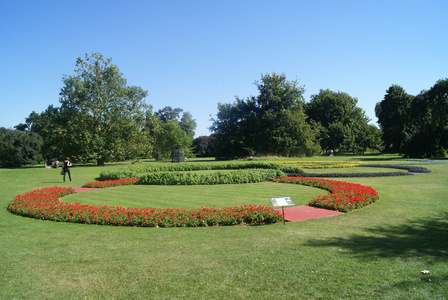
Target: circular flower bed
x=45, y=204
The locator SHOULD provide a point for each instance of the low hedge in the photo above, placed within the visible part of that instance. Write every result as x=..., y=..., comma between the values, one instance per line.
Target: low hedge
x=138, y=171
x=189, y=178
x=411, y=171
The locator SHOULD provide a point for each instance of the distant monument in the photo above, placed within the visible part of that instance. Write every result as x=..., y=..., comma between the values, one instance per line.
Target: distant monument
x=178, y=155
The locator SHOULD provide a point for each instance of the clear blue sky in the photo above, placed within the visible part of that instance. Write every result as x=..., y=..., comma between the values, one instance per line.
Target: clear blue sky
x=194, y=54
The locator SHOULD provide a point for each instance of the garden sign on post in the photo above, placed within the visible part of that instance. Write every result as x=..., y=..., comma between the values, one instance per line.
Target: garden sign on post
x=282, y=201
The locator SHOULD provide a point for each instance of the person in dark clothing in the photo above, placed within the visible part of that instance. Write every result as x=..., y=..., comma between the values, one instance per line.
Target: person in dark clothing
x=66, y=168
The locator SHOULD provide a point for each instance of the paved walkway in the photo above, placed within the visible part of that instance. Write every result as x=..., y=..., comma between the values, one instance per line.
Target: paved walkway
x=79, y=190
x=292, y=214
x=305, y=212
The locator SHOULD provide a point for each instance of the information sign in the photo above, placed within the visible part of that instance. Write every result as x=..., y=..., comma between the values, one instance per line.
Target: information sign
x=281, y=201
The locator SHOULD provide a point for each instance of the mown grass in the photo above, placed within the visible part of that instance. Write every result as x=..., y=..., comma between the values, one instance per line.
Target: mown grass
x=376, y=252
x=195, y=196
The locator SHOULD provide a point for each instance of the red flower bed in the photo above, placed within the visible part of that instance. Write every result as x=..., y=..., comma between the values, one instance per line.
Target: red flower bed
x=110, y=183
x=45, y=204
x=343, y=196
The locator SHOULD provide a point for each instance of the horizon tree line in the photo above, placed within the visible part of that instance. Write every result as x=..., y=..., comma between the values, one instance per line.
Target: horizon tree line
x=103, y=119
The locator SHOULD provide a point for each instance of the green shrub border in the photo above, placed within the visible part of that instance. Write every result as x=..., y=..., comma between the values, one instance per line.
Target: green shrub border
x=190, y=178
x=411, y=171
x=141, y=171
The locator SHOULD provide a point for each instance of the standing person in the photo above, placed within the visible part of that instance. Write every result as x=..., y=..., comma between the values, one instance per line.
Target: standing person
x=66, y=168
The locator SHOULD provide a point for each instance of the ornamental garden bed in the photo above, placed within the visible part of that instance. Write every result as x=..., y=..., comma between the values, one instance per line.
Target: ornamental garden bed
x=404, y=171
x=45, y=203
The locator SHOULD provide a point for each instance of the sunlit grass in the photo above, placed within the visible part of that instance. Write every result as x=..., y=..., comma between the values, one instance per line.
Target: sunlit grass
x=377, y=252
x=187, y=196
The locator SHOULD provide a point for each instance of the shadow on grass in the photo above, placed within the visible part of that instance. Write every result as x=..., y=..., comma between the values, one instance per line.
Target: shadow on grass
x=424, y=237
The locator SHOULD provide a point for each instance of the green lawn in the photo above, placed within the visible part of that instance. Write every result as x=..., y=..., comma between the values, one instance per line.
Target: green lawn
x=195, y=196
x=377, y=252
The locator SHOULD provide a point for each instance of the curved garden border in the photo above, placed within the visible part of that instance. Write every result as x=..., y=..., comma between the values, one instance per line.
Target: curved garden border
x=411, y=171
x=45, y=204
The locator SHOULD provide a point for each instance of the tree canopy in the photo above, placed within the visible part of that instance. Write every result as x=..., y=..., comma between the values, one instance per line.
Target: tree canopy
x=171, y=137
x=18, y=148
x=392, y=114
x=427, y=133
x=416, y=126
x=343, y=125
x=271, y=123
x=101, y=118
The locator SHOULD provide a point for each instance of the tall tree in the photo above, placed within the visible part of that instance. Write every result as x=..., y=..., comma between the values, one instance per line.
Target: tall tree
x=18, y=148
x=265, y=124
x=103, y=117
x=49, y=126
x=151, y=130
x=185, y=119
x=393, y=113
x=344, y=126
x=428, y=133
x=188, y=124
x=169, y=114
x=203, y=146
x=170, y=137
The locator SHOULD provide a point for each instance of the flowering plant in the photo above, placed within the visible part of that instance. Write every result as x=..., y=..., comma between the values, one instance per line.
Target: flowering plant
x=322, y=164
x=110, y=183
x=45, y=204
x=343, y=196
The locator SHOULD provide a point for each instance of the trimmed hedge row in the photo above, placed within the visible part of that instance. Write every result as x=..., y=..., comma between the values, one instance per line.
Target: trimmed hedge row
x=411, y=171
x=138, y=171
x=188, y=178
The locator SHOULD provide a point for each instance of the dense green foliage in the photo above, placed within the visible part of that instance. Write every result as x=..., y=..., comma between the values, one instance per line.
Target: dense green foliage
x=228, y=177
x=102, y=115
x=176, y=131
x=343, y=126
x=170, y=137
x=271, y=123
x=416, y=126
x=203, y=146
x=103, y=119
x=139, y=171
x=392, y=114
x=18, y=148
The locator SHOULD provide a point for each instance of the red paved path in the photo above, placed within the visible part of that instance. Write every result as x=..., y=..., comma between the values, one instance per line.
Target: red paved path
x=292, y=214
x=79, y=190
x=305, y=212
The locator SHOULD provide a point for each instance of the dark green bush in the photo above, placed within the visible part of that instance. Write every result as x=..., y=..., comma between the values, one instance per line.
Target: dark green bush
x=188, y=178
x=139, y=171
